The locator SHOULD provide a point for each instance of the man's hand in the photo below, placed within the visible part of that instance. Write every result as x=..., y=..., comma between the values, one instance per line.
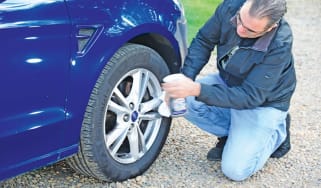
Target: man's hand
x=182, y=88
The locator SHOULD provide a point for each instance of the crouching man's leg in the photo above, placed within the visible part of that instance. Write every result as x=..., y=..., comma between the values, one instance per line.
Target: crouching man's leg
x=253, y=136
x=212, y=119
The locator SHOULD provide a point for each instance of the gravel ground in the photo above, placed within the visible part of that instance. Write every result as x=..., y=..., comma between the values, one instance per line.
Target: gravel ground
x=182, y=162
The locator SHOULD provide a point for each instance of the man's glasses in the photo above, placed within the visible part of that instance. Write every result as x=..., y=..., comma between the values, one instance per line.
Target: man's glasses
x=248, y=30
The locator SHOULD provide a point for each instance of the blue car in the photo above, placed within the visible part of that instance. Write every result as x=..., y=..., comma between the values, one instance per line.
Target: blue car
x=80, y=81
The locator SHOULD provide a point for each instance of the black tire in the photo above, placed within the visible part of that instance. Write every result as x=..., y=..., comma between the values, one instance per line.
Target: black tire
x=122, y=133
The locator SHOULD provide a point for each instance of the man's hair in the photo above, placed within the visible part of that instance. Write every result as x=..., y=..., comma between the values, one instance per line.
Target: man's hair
x=273, y=9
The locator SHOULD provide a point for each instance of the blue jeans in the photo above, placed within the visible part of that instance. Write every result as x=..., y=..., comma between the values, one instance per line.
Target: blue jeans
x=253, y=134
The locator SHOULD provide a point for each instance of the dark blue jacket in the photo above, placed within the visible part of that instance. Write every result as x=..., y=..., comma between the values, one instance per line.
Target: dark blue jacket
x=260, y=73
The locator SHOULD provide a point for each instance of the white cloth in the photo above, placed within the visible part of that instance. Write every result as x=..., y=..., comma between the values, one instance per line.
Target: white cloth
x=163, y=108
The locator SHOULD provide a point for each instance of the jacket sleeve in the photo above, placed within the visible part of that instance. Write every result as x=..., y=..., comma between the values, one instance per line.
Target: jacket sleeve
x=203, y=44
x=263, y=79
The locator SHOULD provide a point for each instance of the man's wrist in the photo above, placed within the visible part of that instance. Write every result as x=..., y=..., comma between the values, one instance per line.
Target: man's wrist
x=197, y=89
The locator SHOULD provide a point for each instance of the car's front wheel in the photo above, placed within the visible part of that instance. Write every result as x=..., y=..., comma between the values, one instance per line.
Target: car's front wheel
x=122, y=132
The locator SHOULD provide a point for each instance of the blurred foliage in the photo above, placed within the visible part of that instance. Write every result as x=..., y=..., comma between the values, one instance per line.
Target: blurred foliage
x=197, y=13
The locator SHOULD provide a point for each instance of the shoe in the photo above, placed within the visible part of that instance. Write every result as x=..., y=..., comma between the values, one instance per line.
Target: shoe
x=215, y=154
x=285, y=147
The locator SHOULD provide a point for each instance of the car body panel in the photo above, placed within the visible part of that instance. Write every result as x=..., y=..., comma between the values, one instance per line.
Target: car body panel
x=53, y=52
x=32, y=115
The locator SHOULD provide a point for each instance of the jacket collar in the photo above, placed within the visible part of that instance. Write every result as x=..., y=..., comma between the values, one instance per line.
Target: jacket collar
x=263, y=42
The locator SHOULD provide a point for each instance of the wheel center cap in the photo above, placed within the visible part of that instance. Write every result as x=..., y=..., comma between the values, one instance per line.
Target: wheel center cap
x=134, y=116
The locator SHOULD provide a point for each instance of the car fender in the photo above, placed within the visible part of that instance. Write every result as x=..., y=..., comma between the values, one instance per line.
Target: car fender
x=107, y=37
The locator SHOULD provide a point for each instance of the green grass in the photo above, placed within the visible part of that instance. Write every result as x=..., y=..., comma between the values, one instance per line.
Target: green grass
x=197, y=13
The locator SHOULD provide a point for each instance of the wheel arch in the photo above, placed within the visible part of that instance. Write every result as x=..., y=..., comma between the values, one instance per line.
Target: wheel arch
x=163, y=47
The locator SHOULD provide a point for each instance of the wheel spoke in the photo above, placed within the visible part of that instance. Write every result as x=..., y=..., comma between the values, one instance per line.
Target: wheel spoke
x=116, y=138
x=121, y=98
x=140, y=83
x=136, y=143
x=150, y=116
x=150, y=105
x=141, y=140
x=116, y=108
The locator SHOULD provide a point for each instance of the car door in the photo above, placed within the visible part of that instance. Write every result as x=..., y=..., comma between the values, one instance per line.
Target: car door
x=34, y=63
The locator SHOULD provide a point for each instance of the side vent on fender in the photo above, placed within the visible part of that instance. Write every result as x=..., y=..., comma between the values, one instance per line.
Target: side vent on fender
x=84, y=37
